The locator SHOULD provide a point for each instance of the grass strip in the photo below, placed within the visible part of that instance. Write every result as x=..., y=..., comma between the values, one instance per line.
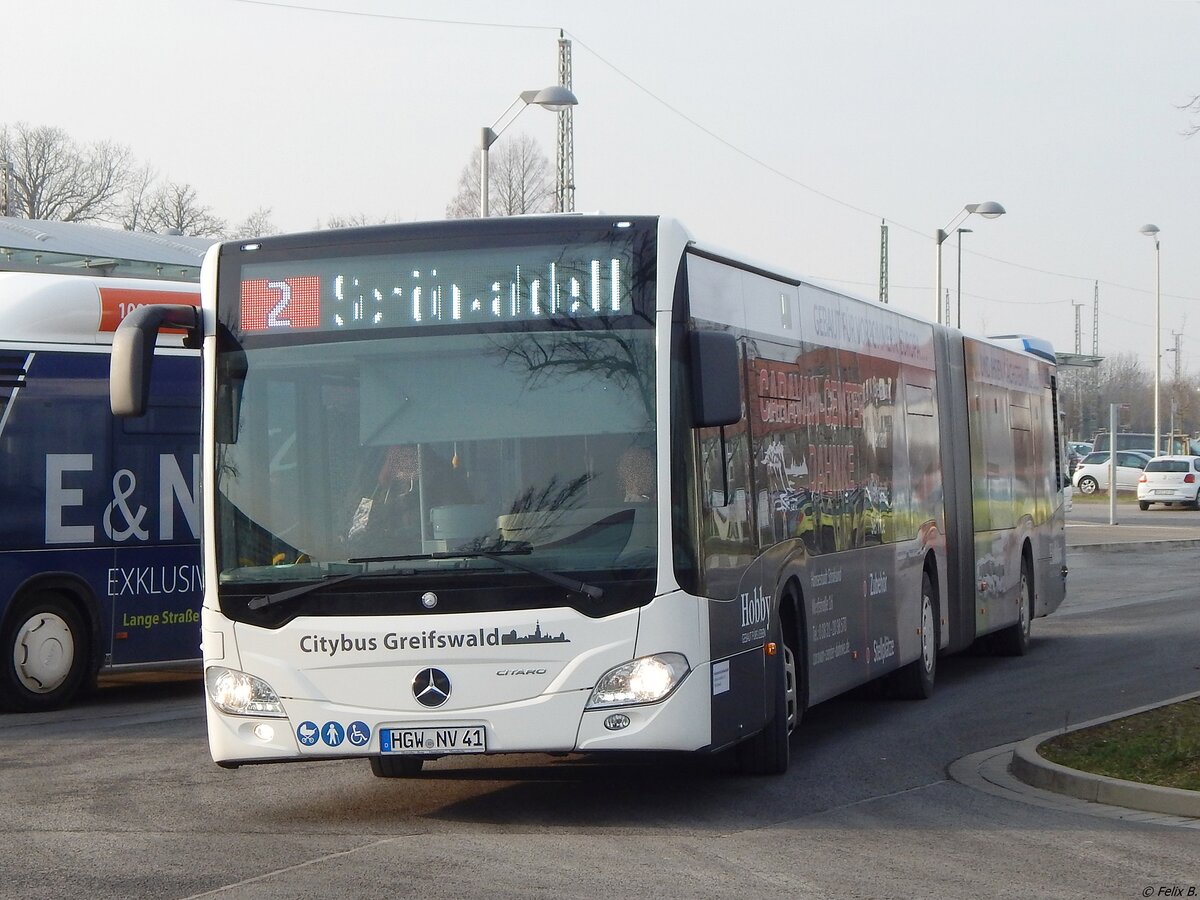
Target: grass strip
x=1161, y=746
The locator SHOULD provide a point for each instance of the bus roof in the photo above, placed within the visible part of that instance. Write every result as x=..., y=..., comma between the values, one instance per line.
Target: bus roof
x=79, y=309
x=1030, y=346
x=1027, y=344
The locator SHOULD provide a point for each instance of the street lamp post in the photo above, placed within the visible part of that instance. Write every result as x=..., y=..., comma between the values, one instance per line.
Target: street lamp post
x=989, y=210
x=555, y=98
x=1152, y=231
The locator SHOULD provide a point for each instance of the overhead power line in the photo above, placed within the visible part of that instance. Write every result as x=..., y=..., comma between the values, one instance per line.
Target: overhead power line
x=699, y=126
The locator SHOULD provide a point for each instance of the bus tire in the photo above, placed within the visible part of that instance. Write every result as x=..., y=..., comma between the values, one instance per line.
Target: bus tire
x=915, y=681
x=1014, y=640
x=769, y=751
x=396, y=766
x=44, y=653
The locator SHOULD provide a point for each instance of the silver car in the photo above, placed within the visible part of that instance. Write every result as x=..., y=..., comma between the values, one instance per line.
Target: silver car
x=1170, y=480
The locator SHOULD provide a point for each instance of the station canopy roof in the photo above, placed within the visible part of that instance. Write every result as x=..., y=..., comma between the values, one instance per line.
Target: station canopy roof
x=33, y=245
x=1080, y=360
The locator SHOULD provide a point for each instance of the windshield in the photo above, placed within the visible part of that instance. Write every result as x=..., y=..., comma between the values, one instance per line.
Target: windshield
x=431, y=452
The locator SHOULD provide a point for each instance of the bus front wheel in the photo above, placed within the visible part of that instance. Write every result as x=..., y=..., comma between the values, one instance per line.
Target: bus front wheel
x=396, y=766
x=769, y=751
x=45, y=650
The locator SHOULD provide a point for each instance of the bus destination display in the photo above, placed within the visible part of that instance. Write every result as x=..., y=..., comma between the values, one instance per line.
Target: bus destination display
x=465, y=287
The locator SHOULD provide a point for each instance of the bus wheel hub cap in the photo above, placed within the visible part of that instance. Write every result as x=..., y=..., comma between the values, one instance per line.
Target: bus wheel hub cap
x=43, y=653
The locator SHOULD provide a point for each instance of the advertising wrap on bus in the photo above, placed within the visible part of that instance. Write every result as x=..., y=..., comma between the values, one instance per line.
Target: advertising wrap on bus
x=99, y=541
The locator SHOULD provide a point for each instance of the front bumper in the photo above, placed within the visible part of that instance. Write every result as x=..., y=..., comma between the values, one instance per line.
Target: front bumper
x=552, y=723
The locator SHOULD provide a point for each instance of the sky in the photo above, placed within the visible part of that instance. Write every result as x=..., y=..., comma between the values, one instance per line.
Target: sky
x=785, y=131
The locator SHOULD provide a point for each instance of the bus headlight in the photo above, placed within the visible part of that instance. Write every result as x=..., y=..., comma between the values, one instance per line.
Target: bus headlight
x=239, y=694
x=645, y=680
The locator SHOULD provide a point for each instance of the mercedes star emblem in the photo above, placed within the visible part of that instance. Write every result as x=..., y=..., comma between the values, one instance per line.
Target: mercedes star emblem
x=431, y=687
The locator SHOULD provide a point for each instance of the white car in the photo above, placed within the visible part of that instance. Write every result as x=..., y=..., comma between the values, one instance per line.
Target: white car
x=1170, y=479
x=1091, y=474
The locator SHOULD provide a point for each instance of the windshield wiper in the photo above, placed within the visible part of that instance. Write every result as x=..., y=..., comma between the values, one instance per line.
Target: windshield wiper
x=291, y=593
x=499, y=556
x=330, y=579
x=579, y=587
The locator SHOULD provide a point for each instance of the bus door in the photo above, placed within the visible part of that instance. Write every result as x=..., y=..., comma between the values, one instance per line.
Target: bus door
x=734, y=580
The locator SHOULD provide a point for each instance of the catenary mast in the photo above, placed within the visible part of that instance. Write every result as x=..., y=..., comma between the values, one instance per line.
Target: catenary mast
x=565, y=178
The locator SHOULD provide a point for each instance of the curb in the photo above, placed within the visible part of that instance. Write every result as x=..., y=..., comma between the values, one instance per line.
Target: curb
x=1119, y=547
x=1030, y=767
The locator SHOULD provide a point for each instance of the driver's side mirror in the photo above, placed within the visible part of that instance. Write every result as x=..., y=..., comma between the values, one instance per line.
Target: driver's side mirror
x=716, y=385
x=133, y=352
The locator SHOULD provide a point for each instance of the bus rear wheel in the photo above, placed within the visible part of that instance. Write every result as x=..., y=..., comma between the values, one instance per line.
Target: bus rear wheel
x=44, y=647
x=915, y=680
x=1014, y=640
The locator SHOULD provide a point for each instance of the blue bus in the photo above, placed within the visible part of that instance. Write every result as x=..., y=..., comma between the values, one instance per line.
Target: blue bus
x=99, y=516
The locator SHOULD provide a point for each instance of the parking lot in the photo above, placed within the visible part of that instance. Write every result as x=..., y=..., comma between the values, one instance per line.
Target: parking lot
x=116, y=797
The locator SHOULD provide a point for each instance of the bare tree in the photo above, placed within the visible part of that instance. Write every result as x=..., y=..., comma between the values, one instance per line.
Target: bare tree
x=1088, y=393
x=257, y=224
x=351, y=221
x=519, y=181
x=135, y=208
x=174, y=207
x=1181, y=404
x=1193, y=107
x=53, y=177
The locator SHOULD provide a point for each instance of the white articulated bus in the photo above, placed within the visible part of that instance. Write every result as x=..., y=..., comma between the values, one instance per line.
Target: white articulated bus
x=99, y=516
x=579, y=483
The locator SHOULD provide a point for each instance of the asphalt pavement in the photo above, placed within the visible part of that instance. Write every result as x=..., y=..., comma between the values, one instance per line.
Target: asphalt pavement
x=1097, y=535
x=1017, y=770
